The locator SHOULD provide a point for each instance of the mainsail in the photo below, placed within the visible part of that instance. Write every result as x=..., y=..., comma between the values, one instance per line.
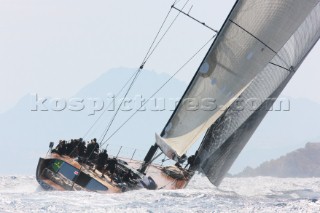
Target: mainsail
x=259, y=37
x=226, y=138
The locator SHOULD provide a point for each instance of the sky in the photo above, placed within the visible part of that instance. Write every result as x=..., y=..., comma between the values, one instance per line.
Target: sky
x=57, y=47
x=54, y=48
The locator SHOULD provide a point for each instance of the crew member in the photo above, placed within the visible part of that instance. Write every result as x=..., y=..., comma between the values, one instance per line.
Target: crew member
x=102, y=159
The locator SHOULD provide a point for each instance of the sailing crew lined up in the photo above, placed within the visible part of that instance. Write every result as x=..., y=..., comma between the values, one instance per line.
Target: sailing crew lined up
x=78, y=148
x=90, y=155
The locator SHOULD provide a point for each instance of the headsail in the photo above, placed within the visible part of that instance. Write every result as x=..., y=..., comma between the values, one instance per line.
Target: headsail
x=253, y=35
x=226, y=138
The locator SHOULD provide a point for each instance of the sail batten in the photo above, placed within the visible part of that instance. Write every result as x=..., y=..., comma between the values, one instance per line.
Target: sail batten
x=253, y=36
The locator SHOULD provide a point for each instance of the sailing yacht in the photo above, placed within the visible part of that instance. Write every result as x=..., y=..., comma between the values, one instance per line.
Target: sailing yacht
x=260, y=46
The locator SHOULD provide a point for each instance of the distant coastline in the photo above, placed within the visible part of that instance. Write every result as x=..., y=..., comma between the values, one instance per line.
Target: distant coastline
x=304, y=162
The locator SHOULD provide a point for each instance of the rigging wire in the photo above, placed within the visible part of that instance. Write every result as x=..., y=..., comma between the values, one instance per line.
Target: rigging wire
x=123, y=99
x=176, y=17
x=148, y=55
x=135, y=75
x=159, y=89
x=187, y=14
x=154, y=40
x=150, y=51
x=96, y=121
x=108, y=106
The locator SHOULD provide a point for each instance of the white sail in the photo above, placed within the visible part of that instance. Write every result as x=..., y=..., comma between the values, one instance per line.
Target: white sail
x=251, y=37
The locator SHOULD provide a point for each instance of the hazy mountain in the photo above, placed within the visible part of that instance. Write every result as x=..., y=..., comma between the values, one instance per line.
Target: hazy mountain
x=281, y=132
x=25, y=134
x=304, y=162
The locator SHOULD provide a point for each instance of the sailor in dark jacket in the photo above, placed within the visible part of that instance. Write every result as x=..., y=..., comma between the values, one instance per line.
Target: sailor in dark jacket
x=82, y=149
x=102, y=159
x=61, y=148
x=112, y=163
x=191, y=160
x=96, y=145
x=92, y=148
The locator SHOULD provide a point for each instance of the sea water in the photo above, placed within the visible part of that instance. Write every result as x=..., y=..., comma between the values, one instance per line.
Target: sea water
x=257, y=194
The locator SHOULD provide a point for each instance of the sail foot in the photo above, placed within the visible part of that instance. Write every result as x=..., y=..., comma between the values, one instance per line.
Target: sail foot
x=168, y=150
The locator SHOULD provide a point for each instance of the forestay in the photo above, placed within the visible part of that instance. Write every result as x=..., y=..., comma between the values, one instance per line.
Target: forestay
x=251, y=37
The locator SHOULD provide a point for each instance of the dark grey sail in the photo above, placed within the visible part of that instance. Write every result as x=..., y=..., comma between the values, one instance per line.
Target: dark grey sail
x=226, y=138
x=215, y=165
